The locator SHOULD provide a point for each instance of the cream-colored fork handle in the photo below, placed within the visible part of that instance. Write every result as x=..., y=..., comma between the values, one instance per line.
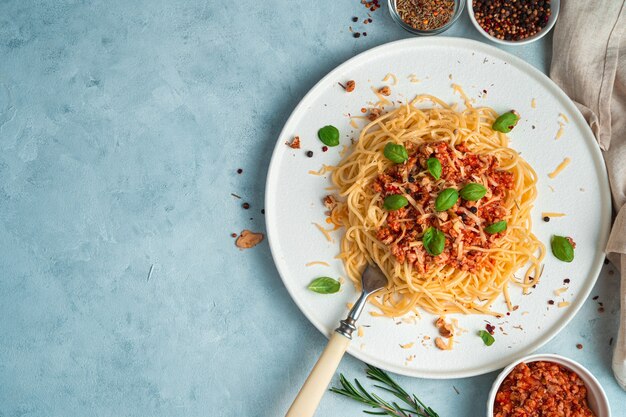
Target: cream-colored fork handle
x=315, y=385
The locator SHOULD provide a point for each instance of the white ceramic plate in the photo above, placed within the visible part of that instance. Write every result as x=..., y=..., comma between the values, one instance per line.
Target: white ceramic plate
x=294, y=201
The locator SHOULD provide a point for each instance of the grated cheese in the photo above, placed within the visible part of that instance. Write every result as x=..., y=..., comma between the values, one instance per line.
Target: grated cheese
x=560, y=291
x=413, y=78
x=560, y=132
x=393, y=77
x=564, y=117
x=407, y=345
x=559, y=168
x=360, y=331
x=317, y=263
x=325, y=232
x=382, y=101
x=323, y=170
x=563, y=304
x=552, y=214
x=533, y=103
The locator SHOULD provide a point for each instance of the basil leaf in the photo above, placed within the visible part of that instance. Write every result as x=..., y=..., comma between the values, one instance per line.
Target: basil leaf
x=434, y=241
x=324, y=285
x=473, y=192
x=396, y=153
x=506, y=122
x=329, y=135
x=434, y=167
x=395, y=202
x=446, y=199
x=496, y=227
x=488, y=339
x=562, y=248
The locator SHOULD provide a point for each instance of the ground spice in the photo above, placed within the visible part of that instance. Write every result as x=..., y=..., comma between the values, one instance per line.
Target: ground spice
x=512, y=20
x=425, y=14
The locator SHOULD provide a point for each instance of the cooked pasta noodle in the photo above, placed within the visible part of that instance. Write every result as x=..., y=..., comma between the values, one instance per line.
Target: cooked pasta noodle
x=438, y=288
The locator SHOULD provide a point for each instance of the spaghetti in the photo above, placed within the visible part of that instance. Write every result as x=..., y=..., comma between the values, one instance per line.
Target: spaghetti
x=470, y=274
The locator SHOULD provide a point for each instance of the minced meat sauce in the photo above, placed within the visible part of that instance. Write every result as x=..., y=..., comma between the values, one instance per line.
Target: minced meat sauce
x=462, y=224
x=542, y=389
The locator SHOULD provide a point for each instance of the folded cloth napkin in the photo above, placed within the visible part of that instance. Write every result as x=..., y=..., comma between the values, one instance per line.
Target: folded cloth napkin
x=589, y=63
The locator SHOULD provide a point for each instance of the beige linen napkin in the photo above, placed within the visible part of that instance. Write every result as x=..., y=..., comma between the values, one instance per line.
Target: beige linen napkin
x=589, y=63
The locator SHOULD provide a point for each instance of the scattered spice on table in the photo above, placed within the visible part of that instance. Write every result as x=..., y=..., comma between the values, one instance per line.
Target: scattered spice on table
x=385, y=91
x=546, y=219
x=248, y=239
x=233, y=235
x=551, y=302
x=349, y=87
x=245, y=206
x=240, y=171
x=512, y=20
x=425, y=14
x=324, y=148
x=579, y=346
x=309, y=154
x=355, y=19
x=295, y=143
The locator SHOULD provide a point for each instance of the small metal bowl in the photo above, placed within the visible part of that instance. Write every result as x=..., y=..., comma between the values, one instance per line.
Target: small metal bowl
x=596, y=397
x=554, y=7
x=458, y=9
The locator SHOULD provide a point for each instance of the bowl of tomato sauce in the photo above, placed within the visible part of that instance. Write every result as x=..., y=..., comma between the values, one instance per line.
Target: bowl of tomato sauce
x=547, y=385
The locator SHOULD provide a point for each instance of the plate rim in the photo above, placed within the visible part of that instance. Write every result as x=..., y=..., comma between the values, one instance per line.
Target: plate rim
x=596, y=155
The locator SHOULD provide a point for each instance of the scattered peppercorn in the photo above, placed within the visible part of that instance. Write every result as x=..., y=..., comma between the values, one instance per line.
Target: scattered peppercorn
x=512, y=20
x=551, y=302
x=595, y=297
x=262, y=211
x=233, y=235
x=566, y=281
x=473, y=209
x=355, y=19
x=309, y=154
x=369, y=20
x=579, y=346
x=364, y=33
x=239, y=171
x=356, y=34
x=324, y=148
x=546, y=219
x=246, y=206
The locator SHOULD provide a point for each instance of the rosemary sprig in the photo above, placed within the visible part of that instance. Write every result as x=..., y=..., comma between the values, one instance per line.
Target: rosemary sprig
x=413, y=408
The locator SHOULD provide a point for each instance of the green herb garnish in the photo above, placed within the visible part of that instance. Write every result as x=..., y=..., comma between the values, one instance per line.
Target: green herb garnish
x=324, y=285
x=506, y=122
x=396, y=153
x=562, y=248
x=446, y=199
x=496, y=227
x=329, y=135
x=413, y=408
x=434, y=241
x=488, y=339
x=473, y=192
x=434, y=167
x=395, y=202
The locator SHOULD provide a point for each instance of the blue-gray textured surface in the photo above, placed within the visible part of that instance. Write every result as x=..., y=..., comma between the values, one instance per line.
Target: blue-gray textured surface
x=122, y=125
